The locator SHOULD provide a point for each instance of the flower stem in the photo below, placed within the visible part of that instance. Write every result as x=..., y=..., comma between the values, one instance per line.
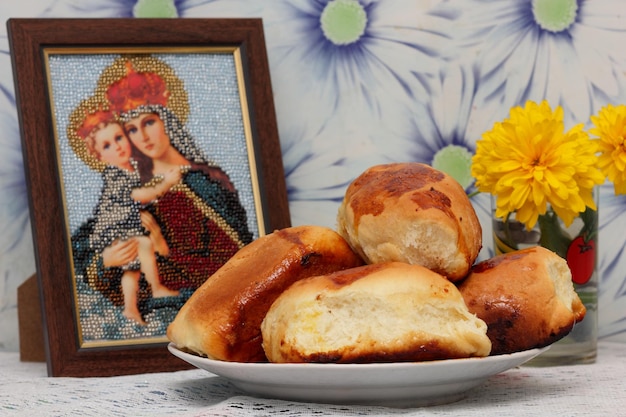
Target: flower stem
x=590, y=224
x=552, y=235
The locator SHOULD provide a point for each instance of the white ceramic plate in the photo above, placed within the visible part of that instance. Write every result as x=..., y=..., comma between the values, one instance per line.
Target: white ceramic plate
x=400, y=384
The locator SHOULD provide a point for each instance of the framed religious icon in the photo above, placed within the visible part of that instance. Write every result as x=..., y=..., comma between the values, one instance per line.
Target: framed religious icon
x=152, y=156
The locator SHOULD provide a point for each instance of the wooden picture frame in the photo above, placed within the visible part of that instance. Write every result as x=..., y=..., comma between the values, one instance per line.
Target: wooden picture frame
x=207, y=78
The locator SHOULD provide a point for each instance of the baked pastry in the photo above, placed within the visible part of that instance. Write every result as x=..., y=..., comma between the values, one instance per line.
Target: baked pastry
x=413, y=213
x=222, y=319
x=526, y=298
x=385, y=312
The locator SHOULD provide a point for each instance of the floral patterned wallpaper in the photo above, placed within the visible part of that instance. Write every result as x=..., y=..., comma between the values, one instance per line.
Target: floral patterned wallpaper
x=358, y=83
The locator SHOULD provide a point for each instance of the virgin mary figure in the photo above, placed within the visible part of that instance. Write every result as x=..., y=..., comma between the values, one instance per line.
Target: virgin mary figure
x=200, y=218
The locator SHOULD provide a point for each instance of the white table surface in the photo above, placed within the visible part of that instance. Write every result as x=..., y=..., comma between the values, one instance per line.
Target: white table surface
x=583, y=390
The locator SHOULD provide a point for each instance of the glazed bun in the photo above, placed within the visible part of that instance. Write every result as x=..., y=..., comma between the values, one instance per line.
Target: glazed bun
x=222, y=319
x=413, y=213
x=526, y=298
x=386, y=312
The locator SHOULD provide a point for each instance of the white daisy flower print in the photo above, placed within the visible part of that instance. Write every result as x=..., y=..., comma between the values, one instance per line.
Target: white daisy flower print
x=153, y=8
x=563, y=51
x=611, y=265
x=363, y=57
x=90, y=9
x=17, y=260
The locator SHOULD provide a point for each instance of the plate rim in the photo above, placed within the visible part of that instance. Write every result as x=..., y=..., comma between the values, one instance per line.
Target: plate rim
x=404, y=384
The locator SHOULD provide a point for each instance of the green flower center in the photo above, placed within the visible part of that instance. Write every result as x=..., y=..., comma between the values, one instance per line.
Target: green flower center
x=555, y=15
x=343, y=21
x=455, y=161
x=155, y=8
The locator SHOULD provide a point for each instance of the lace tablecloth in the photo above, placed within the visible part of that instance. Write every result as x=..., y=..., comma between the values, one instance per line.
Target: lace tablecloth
x=582, y=390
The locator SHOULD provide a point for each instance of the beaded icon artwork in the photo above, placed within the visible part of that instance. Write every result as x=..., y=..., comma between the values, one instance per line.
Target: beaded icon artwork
x=158, y=191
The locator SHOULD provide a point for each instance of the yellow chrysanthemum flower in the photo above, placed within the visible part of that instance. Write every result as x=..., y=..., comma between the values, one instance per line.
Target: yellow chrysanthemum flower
x=610, y=128
x=528, y=161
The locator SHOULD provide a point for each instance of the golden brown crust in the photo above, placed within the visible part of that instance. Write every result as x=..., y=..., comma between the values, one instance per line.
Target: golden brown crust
x=385, y=312
x=222, y=318
x=526, y=298
x=413, y=213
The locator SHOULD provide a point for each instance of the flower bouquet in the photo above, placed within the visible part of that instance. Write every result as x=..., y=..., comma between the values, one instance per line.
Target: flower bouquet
x=542, y=179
